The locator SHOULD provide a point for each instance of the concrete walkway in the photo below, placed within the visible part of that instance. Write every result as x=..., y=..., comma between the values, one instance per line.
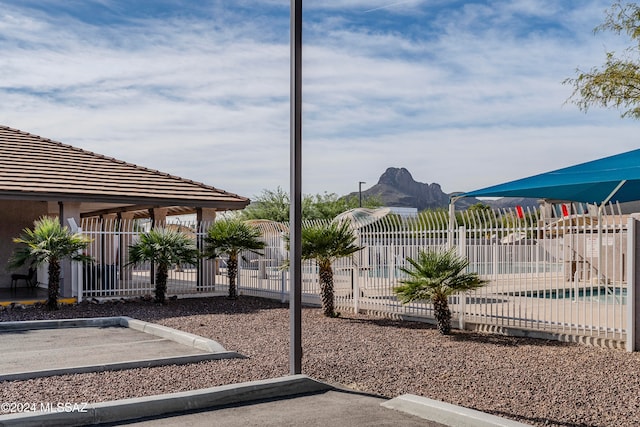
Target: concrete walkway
x=41, y=348
x=313, y=410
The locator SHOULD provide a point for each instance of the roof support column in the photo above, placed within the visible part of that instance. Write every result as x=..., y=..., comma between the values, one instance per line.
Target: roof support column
x=207, y=268
x=158, y=217
x=127, y=216
x=125, y=220
x=68, y=277
x=205, y=214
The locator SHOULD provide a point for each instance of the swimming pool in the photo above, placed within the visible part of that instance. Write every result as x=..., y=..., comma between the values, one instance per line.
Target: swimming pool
x=601, y=293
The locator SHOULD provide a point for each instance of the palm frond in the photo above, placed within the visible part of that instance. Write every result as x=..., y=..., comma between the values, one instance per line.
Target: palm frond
x=328, y=242
x=48, y=240
x=436, y=274
x=163, y=246
x=232, y=236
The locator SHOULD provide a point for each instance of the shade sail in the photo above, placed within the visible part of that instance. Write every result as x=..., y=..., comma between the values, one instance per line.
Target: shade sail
x=615, y=178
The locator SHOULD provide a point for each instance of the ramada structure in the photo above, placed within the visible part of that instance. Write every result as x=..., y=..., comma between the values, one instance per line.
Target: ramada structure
x=39, y=177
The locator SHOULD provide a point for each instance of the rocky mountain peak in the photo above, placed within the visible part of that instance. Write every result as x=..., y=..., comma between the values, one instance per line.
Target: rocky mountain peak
x=396, y=177
x=401, y=179
x=396, y=187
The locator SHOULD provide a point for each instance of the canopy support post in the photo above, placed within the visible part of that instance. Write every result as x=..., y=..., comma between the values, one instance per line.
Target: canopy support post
x=613, y=193
x=452, y=220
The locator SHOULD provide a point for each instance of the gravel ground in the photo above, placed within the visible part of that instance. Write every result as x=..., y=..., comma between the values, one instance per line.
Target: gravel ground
x=538, y=382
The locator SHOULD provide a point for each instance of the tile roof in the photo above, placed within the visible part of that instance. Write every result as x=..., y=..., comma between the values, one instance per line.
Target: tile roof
x=36, y=168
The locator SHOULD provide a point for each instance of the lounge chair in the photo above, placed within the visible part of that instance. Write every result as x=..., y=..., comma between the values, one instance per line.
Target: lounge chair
x=28, y=278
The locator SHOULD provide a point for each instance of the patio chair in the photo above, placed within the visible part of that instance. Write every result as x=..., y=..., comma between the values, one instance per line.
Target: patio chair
x=28, y=278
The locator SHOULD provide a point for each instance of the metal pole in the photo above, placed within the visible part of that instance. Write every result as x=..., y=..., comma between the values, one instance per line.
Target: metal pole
x=360, y=191
x=295, y=213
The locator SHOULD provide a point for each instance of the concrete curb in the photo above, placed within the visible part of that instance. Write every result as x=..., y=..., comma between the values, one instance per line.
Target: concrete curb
x=185, y=338
x=61, y=301
x=154, y=406
x=446, y=413
x=90, y=322
x=118, y=366
x=214, y=350
x=160, y=331
x=593, y=341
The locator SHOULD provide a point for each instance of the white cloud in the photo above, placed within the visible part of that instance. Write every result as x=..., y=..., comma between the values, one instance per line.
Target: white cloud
x=470, y=96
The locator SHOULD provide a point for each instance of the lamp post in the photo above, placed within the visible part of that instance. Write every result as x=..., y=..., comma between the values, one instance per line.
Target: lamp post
x=360, y=192
x=295, y=211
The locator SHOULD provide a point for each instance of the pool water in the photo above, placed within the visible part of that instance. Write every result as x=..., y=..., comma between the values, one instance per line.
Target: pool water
x=597, y=293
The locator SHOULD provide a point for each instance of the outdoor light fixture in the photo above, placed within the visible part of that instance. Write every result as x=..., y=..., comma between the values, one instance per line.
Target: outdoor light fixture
x=360, y=191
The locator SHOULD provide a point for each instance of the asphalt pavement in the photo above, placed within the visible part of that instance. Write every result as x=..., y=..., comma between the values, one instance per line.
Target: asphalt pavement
x=33, y=349
x=54, y=347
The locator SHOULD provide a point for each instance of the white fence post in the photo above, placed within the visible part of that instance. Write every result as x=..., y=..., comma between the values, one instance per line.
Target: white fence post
x=632, y=298
x=392, y=261
x=283, y=286
x=461, y=250
x=495, y=265
x=355, y=275
x=355, y=279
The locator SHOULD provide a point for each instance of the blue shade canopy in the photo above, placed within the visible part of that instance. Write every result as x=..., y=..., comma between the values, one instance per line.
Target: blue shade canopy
x=615, y=178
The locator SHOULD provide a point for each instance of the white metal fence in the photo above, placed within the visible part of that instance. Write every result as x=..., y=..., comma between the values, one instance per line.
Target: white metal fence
x=556, y=273
x=111, y=275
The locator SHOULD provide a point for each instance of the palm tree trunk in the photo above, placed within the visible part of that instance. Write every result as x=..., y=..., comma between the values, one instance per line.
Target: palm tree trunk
x=161, y=283
x=326, y=290
x=54, y=284
x=232, y=273
x=442, y=313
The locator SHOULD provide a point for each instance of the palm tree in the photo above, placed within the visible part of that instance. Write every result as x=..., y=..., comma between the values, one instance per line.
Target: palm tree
x=49, y=242
x=325, y=243
x=163, y=247
x=230, y=237
x=435, y=276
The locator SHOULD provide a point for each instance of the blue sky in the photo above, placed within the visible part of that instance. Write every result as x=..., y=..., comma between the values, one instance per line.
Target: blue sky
x=463, y=93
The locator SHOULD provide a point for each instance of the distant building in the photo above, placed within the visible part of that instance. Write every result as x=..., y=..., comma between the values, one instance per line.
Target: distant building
x=404, y=212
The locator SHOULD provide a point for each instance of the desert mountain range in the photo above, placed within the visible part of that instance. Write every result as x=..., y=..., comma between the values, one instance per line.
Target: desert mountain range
x=396, y=187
